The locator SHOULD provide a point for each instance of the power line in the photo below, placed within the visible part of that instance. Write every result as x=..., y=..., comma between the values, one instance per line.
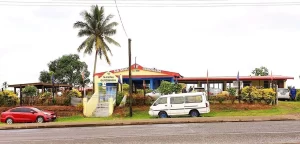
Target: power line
x=121, y=19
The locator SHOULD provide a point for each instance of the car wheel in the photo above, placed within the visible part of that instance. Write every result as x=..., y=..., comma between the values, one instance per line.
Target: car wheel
x=39, y=119
x=194, y=113
x=9, y=121
x=163, y=115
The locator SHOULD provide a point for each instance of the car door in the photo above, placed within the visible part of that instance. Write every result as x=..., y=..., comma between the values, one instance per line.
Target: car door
x=27, y=115
x=17, y=114
x=177, y=105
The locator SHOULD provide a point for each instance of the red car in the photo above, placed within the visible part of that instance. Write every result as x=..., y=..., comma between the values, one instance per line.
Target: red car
x=26, y=114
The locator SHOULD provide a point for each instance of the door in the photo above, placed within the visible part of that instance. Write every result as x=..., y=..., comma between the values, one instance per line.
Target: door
x=177, y=105
x=161, y=105
x=27, y=115
x=17, y=114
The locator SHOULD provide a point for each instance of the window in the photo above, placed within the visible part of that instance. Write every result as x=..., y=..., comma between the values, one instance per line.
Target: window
x=16, y=110
x=193, y=99
x=266, y=84
x=177, y=100
x=246, y=83
x=26, y=110
x=162, y=100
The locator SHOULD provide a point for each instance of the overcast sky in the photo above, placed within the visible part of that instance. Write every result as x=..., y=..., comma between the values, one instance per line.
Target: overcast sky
x=223, y=40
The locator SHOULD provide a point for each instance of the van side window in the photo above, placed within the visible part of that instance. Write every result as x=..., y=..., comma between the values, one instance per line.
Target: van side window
x=162, y=101
x=193, y=99
x=177, y=100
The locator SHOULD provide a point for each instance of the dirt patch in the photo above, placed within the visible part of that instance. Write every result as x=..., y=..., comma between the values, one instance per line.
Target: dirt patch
x=239, y=106
x=124, y=111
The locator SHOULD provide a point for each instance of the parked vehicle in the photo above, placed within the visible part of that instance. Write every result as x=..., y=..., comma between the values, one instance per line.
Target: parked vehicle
x=214, y=91
x=154, y=94
x=283, y=93
x=27, y=114
x=193, y=104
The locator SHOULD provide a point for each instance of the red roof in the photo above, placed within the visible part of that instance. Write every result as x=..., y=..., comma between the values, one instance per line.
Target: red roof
x=139, y=67
x=233, y=78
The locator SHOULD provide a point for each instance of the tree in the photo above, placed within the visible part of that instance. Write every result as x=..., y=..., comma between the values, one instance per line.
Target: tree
x=262, y=71
x=168, y=88
x=98, y=29
x=66, y=69
x=45, y=77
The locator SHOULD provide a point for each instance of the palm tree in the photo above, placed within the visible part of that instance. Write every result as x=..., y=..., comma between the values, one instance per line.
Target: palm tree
x=98, y=30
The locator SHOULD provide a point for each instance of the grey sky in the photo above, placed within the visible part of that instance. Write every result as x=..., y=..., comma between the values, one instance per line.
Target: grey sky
x=232, y=39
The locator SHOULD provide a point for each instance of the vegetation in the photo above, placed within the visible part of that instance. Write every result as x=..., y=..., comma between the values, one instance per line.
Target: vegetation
x=67, y=69
x=168, y=88
x=261, y=71
x=8, y=98
x=74, y=93
x=252, y=94
x=98, y=29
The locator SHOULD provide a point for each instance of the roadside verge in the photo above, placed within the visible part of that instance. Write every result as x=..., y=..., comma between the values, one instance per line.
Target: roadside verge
x=151, y=121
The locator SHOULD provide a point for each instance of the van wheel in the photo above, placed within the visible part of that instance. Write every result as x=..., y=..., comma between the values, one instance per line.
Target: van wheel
x=39, y=119
x=194, y=113
x=163, y=114
x=9, y=121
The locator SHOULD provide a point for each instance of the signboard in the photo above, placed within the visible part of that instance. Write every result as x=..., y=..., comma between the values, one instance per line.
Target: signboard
x=152, y=69
x=108, y=77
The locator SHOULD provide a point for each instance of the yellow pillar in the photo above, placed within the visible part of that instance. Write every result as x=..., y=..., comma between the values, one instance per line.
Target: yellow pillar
x=84, y=102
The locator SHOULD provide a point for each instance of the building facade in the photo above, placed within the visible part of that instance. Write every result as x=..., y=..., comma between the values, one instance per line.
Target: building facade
x=151, y=76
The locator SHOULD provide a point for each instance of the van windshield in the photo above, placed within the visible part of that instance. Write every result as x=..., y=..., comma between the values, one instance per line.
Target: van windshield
x=161, y=100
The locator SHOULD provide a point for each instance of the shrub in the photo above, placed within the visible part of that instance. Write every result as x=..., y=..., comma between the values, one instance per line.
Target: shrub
x=30, y=90
x=221, y=97
x=298, y=96
x=268, y=95
x=168, y=88
x=177, y=88
x=74, y=93
x=8, y=98
x=165, y=87
x=231, y=91
x=120, y=96
x=252, y=94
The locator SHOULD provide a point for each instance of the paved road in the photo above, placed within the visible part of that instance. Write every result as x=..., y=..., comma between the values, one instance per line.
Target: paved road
x=237, y=132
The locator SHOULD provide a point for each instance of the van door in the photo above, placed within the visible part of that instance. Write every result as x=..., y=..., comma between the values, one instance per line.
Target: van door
x=177, y=105
x=161, y=104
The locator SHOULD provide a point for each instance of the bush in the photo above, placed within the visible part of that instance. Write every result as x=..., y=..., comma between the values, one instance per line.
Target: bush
x=221, y=97
x=168, y=88
x=140, y=100
x=30, y=90
x=231, y=91
x=8, y=98
x=74, y=93
x=298, y=96
x=120, y=96
x=252, y=94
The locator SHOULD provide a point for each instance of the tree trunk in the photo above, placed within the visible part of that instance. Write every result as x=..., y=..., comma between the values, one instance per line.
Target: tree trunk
x=95, y=63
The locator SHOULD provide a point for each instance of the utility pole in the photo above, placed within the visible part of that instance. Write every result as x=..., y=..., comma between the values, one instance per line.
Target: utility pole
x=130, y=79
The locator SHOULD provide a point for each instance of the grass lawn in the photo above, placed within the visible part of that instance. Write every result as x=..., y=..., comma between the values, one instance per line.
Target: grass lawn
x=283, y=108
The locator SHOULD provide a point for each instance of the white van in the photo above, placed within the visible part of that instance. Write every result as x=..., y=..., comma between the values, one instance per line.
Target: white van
x=192, y=104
